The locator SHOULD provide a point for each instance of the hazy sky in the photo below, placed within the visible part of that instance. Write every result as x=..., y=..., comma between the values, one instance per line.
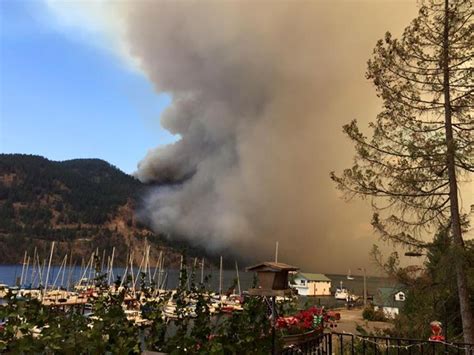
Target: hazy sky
x=256, y=93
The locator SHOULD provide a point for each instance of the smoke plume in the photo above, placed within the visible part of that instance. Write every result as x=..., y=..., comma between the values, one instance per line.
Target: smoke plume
x=260, y=91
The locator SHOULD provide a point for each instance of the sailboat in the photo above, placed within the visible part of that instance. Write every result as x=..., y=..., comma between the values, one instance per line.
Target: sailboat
x=349, y=276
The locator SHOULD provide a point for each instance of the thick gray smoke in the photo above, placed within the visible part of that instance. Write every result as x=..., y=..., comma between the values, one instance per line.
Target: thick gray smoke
x=260, y=91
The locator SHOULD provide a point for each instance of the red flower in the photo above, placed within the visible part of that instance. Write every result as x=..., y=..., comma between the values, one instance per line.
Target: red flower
x=286, y=322
x=305, y=320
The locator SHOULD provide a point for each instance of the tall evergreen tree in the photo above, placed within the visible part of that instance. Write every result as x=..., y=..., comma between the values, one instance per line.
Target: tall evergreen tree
x=421, y=146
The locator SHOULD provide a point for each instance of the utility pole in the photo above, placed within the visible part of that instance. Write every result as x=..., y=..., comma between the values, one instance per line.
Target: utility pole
x=365, y=285
x=276, y=252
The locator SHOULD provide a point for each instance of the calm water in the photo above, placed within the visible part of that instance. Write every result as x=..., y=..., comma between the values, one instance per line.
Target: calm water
x=10, y=275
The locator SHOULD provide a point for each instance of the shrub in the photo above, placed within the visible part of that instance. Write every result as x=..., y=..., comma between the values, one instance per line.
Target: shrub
x=368, y=313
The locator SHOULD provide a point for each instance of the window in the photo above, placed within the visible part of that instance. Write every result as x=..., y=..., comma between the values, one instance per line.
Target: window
x=303, y=282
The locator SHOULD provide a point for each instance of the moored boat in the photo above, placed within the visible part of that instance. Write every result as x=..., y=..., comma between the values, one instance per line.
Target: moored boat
x=341, y=293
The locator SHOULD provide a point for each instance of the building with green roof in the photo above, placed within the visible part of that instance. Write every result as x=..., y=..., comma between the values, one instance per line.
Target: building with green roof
x=310, y=284
x=390, y=300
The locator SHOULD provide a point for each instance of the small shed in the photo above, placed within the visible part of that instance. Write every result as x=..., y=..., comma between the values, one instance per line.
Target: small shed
x=272, y=278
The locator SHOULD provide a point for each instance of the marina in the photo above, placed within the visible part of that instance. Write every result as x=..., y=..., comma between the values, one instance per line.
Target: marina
x=72, y=279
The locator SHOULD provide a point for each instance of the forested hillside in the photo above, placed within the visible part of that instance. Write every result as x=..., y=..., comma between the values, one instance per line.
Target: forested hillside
x=83, y=204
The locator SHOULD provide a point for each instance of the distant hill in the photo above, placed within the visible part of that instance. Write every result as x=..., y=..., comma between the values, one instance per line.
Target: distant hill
x=82, y=204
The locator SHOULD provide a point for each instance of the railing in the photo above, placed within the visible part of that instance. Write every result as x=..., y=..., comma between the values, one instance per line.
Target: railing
x=357, y=344
x=319, y=345
x=350, y=344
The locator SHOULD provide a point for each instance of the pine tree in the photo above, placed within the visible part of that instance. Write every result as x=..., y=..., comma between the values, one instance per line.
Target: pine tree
x=421, y=146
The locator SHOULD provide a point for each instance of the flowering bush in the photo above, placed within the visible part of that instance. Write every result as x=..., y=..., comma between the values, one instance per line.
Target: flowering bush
x=287, y=322
x=306, y=320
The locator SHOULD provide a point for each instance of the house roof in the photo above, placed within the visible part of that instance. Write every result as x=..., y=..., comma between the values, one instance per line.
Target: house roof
x=385, y=296
x=272, y=266
x=313, y=277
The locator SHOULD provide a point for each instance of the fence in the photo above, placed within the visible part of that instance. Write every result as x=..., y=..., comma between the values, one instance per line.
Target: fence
x=355, y=344
x=350, y=344
x=320, y=345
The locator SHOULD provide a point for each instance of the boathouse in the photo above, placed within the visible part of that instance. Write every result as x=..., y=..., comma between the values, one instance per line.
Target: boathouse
x=309, y=284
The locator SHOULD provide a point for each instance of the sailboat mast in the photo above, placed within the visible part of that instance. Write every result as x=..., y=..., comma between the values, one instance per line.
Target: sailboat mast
x=125, y=273
x=63, y=263
x=220, y=279
x=276, y=252
x=148, y=269
x=157, y=267
x=84, y=272
x=111, y=270
x=238, y=278
x=192, y=274
x=131, y=271
x=138, y=272
x=102, y=261
x=49, y=268
x=202, y=271
x=64, y=271
x=23, y=269
x=69, y=274
x=33, y=267
x=91, y=269
x=26, y=270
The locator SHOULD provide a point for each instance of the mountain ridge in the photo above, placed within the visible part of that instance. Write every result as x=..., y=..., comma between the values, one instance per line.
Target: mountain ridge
x=82, y=204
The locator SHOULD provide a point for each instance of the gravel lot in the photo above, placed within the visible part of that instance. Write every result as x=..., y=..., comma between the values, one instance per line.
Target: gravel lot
x=350, y=318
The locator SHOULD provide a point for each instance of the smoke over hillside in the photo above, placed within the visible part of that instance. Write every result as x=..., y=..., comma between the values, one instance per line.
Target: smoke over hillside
x=260, y=91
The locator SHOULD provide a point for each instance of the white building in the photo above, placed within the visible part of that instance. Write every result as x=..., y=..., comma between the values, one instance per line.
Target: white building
x=312, y=284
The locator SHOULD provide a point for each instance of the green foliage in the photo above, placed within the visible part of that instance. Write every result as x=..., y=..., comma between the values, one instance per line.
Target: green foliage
x=110, y=329
x=153, y=311
x=89, y=188
x=433, y=296
x=248, y=332
x=420, y=146
x=34, y=328
x=426, y=88
x=290, y=306
x=369, y=313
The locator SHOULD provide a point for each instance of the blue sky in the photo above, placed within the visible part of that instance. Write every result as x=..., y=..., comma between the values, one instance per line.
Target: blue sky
x=64, y=95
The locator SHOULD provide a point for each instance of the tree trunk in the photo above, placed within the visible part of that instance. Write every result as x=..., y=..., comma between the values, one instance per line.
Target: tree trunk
x=463, y=292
